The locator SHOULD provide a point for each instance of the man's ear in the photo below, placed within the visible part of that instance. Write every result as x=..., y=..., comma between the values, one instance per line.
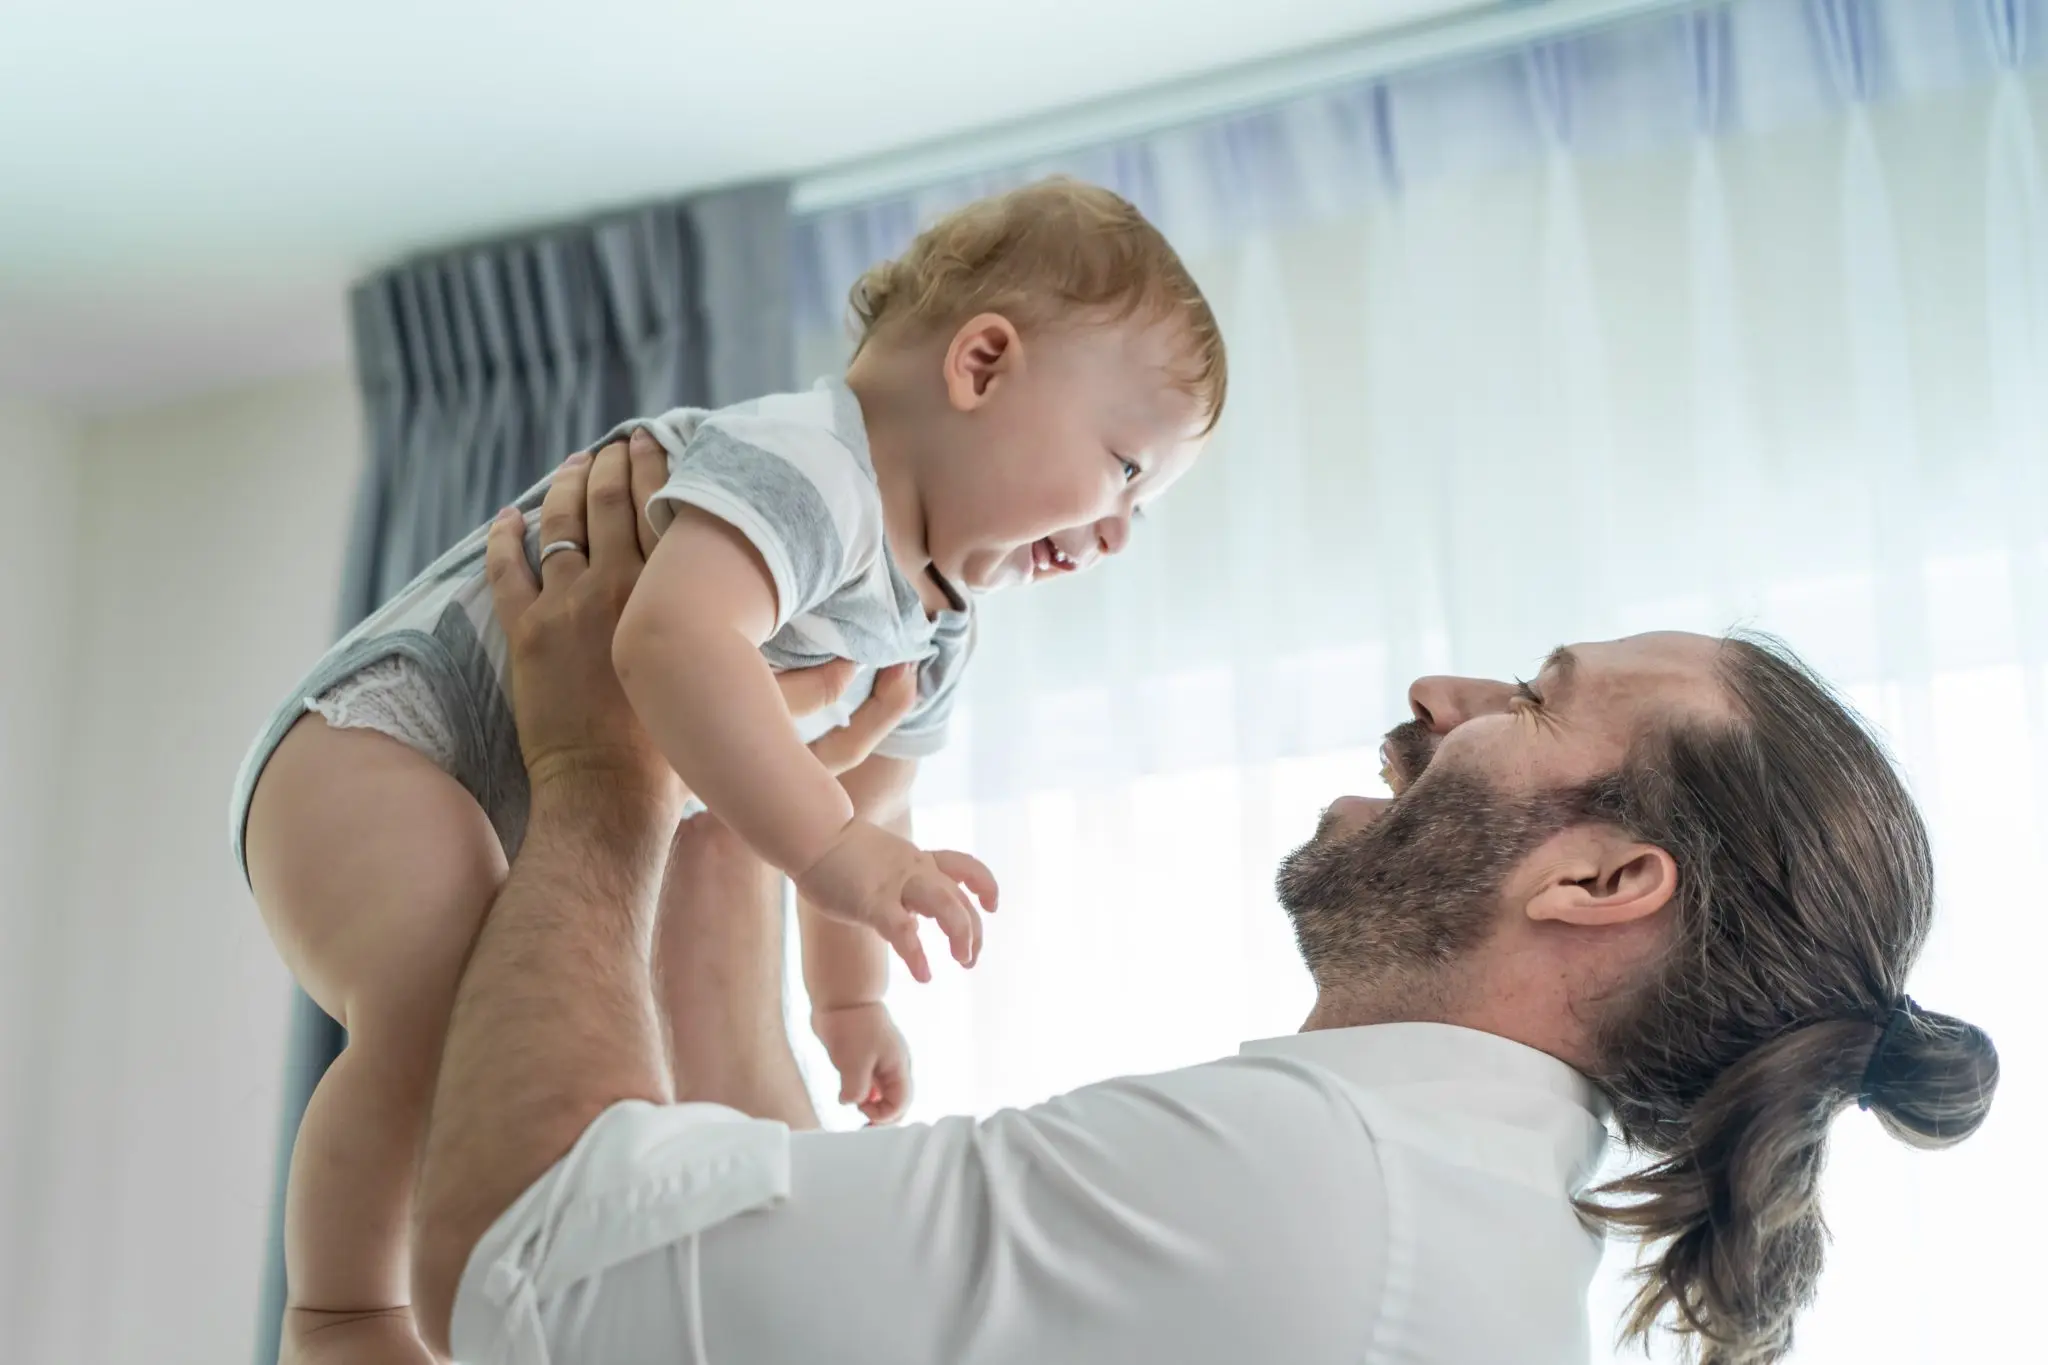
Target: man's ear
x=1594, y=875
x=984, y=352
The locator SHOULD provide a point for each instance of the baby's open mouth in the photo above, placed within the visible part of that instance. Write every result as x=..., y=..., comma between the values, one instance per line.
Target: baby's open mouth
x=1047, y=557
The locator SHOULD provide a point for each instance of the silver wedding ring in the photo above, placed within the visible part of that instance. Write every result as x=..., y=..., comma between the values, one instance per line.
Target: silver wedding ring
x=554, y=546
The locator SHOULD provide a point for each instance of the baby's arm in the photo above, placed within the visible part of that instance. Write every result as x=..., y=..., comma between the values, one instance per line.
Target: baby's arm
x=688, y=653
x=846, y=968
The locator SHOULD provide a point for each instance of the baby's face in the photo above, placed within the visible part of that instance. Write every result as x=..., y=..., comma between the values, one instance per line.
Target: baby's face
x=1069, y=449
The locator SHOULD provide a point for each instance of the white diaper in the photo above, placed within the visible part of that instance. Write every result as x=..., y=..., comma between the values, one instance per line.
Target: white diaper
x=392, y=697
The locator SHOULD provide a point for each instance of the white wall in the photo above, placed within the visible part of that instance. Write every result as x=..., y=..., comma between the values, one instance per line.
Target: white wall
x=38, y=507
x=203, y=542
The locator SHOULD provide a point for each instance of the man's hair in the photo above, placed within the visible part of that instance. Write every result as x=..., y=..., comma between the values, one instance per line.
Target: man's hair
x=1805, y=890
x=1040, y=255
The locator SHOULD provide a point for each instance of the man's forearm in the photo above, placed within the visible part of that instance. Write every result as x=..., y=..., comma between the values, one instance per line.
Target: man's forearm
x=554, y=1021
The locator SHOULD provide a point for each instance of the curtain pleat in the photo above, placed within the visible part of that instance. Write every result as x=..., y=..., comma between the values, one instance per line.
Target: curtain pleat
x=480, y=369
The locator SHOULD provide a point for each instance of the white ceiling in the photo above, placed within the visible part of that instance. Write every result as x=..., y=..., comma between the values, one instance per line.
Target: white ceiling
x=186, y=189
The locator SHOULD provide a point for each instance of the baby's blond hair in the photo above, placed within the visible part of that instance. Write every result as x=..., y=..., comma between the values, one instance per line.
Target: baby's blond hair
x=1038, y=255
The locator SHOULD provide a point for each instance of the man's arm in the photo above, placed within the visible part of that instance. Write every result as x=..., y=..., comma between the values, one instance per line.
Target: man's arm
x=1231, y=1212
x=554, y=1021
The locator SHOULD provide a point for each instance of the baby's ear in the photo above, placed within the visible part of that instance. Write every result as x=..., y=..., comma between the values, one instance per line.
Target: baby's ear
x=984, y=351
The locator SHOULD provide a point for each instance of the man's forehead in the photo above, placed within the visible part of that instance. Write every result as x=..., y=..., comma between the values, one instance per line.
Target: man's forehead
x=1662, y=668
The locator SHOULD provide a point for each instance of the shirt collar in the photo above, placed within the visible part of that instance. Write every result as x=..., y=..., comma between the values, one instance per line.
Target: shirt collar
x=1386, y=1056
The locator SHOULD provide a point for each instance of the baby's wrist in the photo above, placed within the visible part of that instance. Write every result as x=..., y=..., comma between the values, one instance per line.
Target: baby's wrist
x=824, y=1009
x=824, y=850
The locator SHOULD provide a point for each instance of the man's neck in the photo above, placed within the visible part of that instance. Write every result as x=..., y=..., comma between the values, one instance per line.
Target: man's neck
x=1500, y=1013
x=1343, y=1011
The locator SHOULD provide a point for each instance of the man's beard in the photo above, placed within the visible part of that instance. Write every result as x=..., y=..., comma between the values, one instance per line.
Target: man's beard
x=1398, y=903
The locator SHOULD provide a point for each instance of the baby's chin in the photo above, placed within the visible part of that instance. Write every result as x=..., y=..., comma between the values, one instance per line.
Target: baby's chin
x=994, y=570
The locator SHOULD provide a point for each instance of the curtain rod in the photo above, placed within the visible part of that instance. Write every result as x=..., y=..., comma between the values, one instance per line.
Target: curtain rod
x=1139, y=113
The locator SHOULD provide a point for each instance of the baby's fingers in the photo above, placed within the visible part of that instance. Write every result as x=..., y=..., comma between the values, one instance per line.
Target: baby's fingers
x=971, y=873
x=886, y=1102
x=933, y=895
x=857, y=1082
x=902, y=936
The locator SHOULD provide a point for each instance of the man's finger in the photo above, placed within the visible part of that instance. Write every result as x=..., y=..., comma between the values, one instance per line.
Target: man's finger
x=561, y=521
x=805, y=690
x=894, y=694
x=512, y=583
x=937, y=899
x=614, y=543
x=872, y=721
x=971, y=873
x=650, y=474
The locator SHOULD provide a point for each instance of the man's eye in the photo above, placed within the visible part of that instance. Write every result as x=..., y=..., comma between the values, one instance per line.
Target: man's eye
x=1527, y=693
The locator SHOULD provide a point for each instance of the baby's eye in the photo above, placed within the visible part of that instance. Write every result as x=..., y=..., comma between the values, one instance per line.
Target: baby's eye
x=1131, y=471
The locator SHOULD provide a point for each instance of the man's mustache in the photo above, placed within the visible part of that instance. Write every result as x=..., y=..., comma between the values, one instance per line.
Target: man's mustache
x=1409, y=747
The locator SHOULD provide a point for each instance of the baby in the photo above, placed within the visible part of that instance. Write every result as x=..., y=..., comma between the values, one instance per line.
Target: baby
x=1033, y=371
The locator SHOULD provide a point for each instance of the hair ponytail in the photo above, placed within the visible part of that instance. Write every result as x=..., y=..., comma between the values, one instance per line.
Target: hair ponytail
x=1737, y=1200
x=1932, y=1086
x=1805, y=894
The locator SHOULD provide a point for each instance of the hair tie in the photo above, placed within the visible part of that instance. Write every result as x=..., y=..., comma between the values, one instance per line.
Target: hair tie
x=1902, y=1013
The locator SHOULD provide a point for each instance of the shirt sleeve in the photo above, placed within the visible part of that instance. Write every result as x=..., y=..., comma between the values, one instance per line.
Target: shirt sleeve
x=792, y=489
x=1230, y=1212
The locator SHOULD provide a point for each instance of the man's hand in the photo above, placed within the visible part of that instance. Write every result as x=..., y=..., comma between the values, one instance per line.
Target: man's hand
x=572, y=716
x=872, y=877
x=870, y=1056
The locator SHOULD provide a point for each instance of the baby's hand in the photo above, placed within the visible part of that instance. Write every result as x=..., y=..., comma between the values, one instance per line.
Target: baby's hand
x=869, y=1054
x=871, y=877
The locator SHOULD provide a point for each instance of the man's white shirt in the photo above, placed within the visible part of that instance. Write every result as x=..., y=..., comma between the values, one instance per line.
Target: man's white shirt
x=1395, y=1193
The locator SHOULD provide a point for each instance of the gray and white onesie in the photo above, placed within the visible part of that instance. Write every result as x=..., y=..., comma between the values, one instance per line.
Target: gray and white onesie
x=791, y=472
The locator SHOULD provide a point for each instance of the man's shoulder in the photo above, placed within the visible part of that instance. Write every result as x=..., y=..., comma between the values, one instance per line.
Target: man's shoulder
x=1260, y=1098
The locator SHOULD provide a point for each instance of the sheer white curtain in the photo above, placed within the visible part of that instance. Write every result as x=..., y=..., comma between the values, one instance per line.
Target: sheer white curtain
x=1739, y=317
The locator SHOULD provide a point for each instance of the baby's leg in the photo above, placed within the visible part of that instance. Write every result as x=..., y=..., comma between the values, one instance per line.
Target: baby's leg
x=718, y=967
x=373, y=869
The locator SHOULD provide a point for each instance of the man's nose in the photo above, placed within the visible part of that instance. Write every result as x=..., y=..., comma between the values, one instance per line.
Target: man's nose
x=1443, y=704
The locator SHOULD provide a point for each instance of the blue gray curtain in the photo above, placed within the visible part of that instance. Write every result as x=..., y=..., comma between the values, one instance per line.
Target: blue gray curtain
x=482, y=368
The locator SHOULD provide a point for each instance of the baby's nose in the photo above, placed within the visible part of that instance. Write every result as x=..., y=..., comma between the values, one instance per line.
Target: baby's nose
x=1112, y=534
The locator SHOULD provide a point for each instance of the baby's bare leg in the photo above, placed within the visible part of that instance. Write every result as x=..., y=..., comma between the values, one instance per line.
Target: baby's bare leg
x=373, y=869
x=718, y=966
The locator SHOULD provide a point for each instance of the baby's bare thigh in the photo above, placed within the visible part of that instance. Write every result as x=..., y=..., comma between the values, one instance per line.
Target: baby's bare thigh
x=372, y=868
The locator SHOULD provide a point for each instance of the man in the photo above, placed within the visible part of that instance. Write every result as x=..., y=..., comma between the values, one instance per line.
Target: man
x=1670, y=880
